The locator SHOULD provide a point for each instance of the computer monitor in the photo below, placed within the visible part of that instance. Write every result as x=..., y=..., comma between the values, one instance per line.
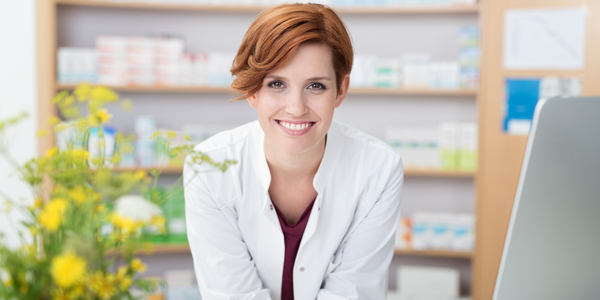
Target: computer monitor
x=552, y=247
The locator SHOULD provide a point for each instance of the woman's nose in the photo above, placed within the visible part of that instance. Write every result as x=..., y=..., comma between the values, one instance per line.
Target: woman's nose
x=296, y=105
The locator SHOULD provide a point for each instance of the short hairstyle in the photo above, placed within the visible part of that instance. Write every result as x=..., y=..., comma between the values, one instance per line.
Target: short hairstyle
x=278, y=32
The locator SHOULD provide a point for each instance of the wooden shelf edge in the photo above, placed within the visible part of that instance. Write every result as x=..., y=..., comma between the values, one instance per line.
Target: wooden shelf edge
x=438, y=173
x=451, y=9
x=165, y=170
x=217, y=89
x=185, y=248
x=407, y=172
x=434, y=253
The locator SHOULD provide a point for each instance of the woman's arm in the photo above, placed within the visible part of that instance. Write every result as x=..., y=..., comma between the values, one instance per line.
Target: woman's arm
x=362, y=267
x=223, y=266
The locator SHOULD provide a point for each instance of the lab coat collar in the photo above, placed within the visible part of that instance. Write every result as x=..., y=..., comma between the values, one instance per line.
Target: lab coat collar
x=332, y=149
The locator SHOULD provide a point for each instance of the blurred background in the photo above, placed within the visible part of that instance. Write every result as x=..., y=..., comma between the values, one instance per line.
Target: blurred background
x=433, y=78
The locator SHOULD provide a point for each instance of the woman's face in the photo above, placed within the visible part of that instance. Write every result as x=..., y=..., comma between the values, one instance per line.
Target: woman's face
x=296, y=101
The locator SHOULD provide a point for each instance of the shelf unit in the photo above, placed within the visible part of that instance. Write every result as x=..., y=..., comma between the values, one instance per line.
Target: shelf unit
x=224, y=89
x=255, y=9
x=47, y=43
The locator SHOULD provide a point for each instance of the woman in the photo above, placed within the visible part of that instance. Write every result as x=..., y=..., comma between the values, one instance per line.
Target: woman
x=311, y=207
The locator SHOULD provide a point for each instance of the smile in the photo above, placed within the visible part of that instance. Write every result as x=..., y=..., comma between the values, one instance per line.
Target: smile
x=295, y=128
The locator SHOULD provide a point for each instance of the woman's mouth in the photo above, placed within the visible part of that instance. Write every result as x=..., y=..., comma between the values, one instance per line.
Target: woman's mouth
x=295, y=128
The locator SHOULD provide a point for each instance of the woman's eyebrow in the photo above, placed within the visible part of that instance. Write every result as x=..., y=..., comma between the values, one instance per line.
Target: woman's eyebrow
x=319, y=78
x=275, y=77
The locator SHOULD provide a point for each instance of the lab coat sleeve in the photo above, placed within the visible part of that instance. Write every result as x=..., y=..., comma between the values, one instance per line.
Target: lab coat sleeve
x=224, y=268
x=361, y=270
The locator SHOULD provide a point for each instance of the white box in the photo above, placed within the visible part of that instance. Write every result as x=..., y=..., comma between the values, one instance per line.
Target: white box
x=434, y=283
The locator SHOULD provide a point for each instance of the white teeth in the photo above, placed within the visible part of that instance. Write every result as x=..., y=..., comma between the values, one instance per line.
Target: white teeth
x=292, y=126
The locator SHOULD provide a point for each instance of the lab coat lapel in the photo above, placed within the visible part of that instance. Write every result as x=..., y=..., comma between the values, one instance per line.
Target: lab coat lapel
x=332, y=150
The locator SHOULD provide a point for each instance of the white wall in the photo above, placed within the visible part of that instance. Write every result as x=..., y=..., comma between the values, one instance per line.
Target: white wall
x=18, y=93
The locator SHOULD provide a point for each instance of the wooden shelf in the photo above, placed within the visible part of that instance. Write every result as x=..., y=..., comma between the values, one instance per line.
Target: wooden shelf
x=159, y=89
x=407, y=172
x=437, y=173
x=165, y=170
x=434, y=253
x=185, y=248
x=256, y=9
x=216, y=89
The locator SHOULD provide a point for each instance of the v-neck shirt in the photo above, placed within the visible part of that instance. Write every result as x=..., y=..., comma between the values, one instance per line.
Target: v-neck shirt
x=292, y=235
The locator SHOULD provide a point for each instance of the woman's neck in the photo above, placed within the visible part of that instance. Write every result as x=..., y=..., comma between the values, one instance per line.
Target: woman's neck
x=294, y=166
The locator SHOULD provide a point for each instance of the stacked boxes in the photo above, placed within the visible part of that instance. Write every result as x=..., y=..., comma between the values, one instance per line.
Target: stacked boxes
x=143, y=61
x=449, y=146
x=439, y=231
x=469, y=57
x=77, y=65
x=174, y=213
x=138, y=61
x=412, y=71
x=174, y=210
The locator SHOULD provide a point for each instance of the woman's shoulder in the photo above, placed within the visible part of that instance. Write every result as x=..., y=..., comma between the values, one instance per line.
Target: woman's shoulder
x=364, y=144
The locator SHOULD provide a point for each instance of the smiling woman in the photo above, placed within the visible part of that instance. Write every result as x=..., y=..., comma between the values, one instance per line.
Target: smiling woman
x=311, y=209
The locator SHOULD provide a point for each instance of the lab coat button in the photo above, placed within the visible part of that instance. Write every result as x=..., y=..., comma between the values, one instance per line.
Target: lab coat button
x=301, y=269
x=271, y=206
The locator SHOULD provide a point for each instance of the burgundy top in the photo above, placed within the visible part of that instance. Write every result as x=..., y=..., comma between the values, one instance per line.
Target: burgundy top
x=292, y=234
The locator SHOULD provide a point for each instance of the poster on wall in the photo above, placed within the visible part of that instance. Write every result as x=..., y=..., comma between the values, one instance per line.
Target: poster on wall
x=523, y=94
x=544, y=39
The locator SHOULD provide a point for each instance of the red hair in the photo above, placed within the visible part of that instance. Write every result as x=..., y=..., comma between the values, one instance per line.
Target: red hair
x=278, y=32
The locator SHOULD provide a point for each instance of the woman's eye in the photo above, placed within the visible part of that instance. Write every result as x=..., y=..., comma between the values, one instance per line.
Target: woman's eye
x=276, y=84
x=316, y=86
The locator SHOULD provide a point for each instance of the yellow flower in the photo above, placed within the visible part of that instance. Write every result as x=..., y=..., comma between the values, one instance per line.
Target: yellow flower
x=53, y=120
x=103, y=286
x=59, y=294
x=122, y=272
x=60, y=127
x=171, y=134
x=126, y=224
x=138, y=266
x=101, y=208
x=68, y=101
x=80, y=154
x=155, y=135
x=51, y=216
x=159, y=223
x=67, y=269
x=42, y=133
x=77, y=292
x=187, y=137
x=101, y=93
x=82, y=92
x=51, y=152
x=140, y=174
x=126, y=283
x=103, y=115
x=77, y=194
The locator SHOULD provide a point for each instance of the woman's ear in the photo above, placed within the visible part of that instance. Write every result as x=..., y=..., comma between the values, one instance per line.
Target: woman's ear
x=343, y=91
x=252, y=101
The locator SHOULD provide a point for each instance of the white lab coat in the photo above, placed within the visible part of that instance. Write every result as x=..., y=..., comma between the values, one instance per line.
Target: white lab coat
x=234, y=233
